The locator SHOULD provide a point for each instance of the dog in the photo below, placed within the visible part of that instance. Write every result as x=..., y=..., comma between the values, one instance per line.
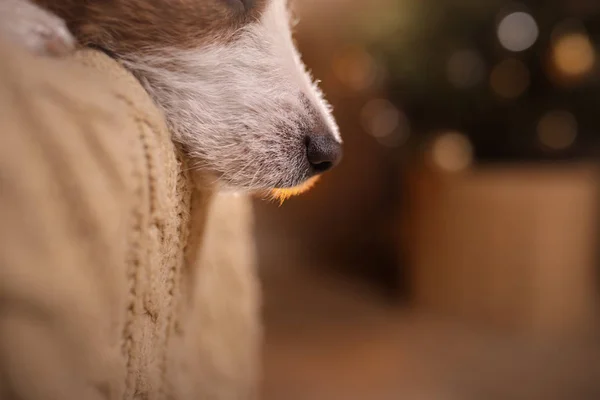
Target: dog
x=226, y=73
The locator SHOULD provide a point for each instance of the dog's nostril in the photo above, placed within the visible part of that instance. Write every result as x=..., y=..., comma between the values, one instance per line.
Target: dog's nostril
x=323, y=152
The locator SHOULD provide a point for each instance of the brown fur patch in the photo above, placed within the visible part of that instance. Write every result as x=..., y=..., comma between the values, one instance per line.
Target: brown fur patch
x=125, y=26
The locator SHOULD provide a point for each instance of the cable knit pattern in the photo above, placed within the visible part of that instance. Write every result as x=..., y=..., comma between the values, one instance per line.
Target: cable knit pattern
x=122, y=274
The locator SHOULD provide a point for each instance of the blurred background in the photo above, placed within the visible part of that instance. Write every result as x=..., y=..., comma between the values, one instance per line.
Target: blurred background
x=453, y=253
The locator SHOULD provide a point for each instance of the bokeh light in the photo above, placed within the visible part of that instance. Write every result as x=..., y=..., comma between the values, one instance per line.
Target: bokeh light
x=385, y=122
x=517, y=31
x=452, y=151
x=557, y=129
x=355, y=68
x=573, y=55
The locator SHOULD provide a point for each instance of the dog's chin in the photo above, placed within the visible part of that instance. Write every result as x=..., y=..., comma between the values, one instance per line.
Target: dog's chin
x=276, y=192
x=283, y=194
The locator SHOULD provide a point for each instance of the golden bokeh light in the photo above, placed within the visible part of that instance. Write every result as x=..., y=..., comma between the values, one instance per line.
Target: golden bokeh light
x=385, y=122
x=573, y=55
x=355, y=68
x=452, y=152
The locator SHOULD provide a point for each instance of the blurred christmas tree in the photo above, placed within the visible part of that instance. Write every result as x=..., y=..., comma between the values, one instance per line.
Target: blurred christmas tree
x=520, y=81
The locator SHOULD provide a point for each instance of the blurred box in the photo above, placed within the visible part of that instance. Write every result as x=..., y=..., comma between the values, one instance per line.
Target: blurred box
x=510, y=247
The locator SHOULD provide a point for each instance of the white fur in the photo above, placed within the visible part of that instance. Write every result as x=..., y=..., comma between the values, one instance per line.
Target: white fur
x=238, y=108
x=242, y=110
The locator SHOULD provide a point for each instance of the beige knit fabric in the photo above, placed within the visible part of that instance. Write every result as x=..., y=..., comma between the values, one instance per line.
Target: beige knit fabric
x=122, y=275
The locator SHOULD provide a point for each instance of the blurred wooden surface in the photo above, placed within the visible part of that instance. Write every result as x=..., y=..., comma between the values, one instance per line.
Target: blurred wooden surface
x=500, y=253
x=328, y=338
x=511, y=247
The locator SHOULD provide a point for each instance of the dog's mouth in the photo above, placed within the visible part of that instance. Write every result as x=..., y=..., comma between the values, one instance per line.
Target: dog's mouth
x=282, y=194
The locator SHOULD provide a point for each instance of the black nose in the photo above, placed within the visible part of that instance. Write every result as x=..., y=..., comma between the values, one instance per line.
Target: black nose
x=323, y=152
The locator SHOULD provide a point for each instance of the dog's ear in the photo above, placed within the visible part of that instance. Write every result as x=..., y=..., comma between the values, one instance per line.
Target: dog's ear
x=126, y=26
x=39, y=30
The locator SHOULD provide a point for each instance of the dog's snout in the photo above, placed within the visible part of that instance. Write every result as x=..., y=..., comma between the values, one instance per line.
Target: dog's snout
x=323, y=152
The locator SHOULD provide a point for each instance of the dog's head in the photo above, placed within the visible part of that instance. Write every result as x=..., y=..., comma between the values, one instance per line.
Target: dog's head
x=229, y=78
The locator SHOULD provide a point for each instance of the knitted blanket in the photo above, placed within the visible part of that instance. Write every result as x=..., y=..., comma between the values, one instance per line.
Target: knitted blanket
x=122, y=274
